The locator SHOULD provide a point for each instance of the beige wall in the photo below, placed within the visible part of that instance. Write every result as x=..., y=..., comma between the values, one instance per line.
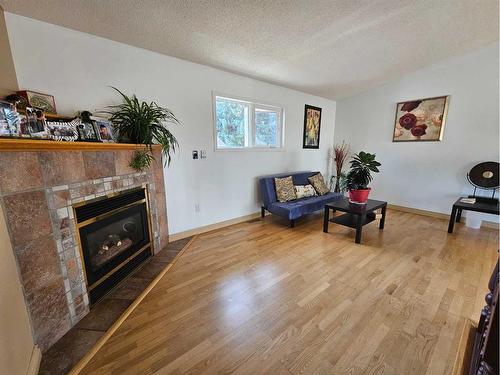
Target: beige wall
x=16, y=342
x=8, y=79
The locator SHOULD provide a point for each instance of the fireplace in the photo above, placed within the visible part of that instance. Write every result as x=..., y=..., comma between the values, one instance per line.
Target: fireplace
x=115, y=237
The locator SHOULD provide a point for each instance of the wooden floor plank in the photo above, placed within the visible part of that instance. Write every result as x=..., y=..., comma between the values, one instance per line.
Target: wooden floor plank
x=259, y=297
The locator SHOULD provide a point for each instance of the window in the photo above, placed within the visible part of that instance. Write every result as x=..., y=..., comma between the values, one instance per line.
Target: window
x=243, y=124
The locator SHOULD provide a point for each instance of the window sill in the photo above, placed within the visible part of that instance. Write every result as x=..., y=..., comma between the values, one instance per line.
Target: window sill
x=250, y=149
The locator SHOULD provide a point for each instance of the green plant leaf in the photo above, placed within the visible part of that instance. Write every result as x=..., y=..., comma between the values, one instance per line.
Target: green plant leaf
x=359, y=175
x=141, y=160
x=144, y=123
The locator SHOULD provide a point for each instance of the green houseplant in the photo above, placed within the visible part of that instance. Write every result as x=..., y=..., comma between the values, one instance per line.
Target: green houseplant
x=141, y=160
x=360, y=175
x=143, y=123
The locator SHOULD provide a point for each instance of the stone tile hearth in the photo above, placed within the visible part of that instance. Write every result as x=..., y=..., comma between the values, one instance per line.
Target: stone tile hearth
x=64, y=354
x=38, y=191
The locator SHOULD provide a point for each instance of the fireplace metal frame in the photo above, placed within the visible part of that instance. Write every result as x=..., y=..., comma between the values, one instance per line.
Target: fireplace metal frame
x=105, y=215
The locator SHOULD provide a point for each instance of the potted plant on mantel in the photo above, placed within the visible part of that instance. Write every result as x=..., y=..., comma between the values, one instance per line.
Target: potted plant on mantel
x=143, y=123
x=359, y=176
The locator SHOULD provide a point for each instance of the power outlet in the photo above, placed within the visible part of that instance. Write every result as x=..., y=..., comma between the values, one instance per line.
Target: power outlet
x=203, y=154
x=196, y=207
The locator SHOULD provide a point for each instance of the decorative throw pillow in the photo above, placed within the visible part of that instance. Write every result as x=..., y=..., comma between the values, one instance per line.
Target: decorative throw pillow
x=303, y=191
x=319, y=184
x=284, y=189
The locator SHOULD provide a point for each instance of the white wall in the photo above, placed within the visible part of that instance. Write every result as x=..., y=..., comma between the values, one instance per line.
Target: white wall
x=428, y=175
x=77, y=68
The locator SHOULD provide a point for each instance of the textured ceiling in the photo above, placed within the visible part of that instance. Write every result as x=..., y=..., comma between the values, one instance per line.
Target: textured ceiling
x=328, y=48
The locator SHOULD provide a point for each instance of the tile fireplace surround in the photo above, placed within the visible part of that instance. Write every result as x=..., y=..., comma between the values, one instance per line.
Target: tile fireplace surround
x=37, y=191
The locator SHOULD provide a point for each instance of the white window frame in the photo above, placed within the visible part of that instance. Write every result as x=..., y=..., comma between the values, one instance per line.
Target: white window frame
x=250, y=141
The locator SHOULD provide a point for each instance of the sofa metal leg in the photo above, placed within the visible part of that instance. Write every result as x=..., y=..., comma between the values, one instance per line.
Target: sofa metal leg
x=262, y=212
x=292, y=223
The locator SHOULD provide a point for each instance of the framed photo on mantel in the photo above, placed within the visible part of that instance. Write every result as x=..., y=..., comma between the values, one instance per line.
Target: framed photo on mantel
x=105, y=129
x=312, y=126
x=38, y=100
x=420, y=120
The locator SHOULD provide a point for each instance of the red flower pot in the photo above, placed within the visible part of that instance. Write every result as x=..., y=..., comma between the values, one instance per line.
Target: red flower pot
x=359, y=196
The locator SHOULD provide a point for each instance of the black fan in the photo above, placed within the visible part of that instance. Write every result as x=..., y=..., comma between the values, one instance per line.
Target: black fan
x=485, y=176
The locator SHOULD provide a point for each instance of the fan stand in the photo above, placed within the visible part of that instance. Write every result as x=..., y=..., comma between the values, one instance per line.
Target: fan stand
x=491, y=200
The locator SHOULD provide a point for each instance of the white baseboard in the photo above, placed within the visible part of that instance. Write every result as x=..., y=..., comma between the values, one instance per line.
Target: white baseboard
x=36, y=358
x=242, y=219
x=439, y=215
x=208, y=228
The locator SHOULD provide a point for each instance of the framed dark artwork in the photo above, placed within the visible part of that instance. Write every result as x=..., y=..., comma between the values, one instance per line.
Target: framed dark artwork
x=32, y=124
x=312, y=126
x=105, y=129
x=38, y=100
x=87, y=132
x=420, y=120
x=9, y=120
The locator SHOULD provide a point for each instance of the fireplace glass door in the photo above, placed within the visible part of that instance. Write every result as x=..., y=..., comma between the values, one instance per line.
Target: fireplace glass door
x=114, y=239
x=110, y=241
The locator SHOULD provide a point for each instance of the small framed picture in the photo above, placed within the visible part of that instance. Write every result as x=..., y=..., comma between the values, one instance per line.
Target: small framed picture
x=9, y=120
x=105, y=129
x=4, y=125
x=64, y=130
x=87, y=132
x=32, y=124
x=38, y=100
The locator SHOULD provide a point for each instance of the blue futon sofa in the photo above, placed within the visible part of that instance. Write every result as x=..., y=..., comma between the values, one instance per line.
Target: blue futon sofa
x=291, y=210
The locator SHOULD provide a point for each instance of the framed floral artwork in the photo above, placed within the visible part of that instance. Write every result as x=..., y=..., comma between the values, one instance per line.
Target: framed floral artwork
x=420, y=120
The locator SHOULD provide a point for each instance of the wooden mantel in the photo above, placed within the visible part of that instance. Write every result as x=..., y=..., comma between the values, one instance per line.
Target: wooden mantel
x=17, y=144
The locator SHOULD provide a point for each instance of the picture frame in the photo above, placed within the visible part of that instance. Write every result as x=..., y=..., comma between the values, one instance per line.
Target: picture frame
x=312, y=127
x=38, y=100
x=421, y=120
x=32, y=124
x=63, y=130
x=9, y=120
x=104, y=128
x=87, y=132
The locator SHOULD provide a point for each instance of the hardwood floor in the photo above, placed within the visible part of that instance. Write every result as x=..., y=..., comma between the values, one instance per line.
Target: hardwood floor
x=259, y=297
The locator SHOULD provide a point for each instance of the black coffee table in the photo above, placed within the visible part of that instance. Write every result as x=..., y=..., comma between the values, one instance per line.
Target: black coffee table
x=484, y=205
x=356, y=215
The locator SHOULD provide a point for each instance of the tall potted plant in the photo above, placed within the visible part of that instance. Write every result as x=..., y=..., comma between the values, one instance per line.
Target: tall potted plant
x=340, y=152
x=359, y=176
x=143, y=123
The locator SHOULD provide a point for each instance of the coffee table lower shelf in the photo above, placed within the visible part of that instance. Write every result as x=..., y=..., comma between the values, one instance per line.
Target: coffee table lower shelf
x=351, y=221
x=355, y=216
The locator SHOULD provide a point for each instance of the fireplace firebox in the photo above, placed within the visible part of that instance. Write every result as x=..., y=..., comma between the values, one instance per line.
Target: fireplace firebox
x=115, y=238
